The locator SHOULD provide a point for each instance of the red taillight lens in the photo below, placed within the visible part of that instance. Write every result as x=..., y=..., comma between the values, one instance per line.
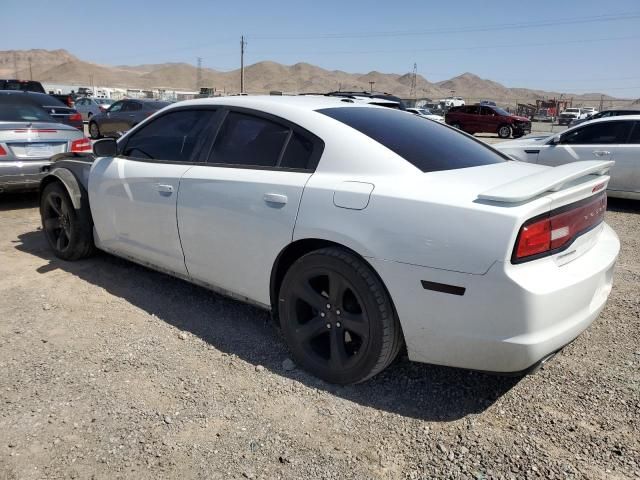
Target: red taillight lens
x=75, y=117
x=81, y=145
x=3, y=152
x=558, y=229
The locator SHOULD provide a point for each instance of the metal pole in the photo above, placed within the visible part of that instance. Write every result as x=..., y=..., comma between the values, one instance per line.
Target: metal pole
x=242, y=64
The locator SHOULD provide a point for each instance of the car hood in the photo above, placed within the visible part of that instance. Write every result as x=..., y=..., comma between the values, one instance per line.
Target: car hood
x=520, y=119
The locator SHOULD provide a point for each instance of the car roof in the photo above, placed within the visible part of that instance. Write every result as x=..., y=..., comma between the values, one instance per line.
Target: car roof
x=34, y=97
x=293, y=102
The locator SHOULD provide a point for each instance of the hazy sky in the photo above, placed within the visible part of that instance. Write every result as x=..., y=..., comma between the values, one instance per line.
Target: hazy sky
x=569, y=46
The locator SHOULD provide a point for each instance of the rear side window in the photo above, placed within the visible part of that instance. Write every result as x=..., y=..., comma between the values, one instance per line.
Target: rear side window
x=635, y=135
x=132, y=107
x=599, y=133
x=428, y=146
x=172, y=137
x=249, y=140
x=298, y=153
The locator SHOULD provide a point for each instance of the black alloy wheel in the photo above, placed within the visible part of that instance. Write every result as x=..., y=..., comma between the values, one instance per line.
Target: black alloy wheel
x=337, y=317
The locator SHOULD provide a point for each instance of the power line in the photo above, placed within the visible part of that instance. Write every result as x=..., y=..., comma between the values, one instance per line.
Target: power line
x=453, y=30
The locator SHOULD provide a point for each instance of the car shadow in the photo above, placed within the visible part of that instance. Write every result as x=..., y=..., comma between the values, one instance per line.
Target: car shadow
x=410, y=389
x=18, y=200
x=623, y=205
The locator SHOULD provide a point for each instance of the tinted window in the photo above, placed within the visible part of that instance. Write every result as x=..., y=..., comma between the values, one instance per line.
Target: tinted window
x=172, y=137
x=248, y=140
x=472, y=110
x=429, y=146
x=635, y=135
x=155, y=105
x=131, y=107
x=598, y=133
x=22, y=112
x=116, y=107
x=297, y=153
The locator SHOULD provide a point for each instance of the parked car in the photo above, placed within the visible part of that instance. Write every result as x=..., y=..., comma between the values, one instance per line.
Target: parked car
x=450, y=102
x=605, y=114
x=486, y=119
x=609, y=138
x=570, y=114
x=89, y=106
x=85, y=92
x=588, y=112
x=121, y=116
x=54, y=107
x=426, y=113
x=491, y=103
x=28, y=139
x=22, y=85
x=307, y=206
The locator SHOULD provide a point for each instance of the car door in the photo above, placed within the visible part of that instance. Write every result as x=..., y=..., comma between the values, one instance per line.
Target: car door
x=133, y=196
x=109, y=121
x=131, y=114
x=594, y=141
x=489, y=120
x=81, y=107
x=237, y=212
x=625, y=174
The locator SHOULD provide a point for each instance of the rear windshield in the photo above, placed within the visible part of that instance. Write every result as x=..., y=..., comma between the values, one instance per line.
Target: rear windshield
x=25, y=85
x=13, y=112
x=428, y=146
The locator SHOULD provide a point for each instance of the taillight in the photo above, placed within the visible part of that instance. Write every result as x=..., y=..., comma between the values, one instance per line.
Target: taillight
x=81, y=145
x=556, y=230
x=3, y=152
x=75, y=117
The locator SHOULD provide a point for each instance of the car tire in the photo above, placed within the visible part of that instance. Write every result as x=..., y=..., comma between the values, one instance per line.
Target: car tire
x=456, y=125
x=517, y=134
x=69, y=232
x=337, y=317
x=504, y=131
x=94, y=130
x=89, y=115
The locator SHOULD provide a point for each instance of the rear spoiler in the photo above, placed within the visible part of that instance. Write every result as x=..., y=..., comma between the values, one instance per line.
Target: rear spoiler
x=550, y=180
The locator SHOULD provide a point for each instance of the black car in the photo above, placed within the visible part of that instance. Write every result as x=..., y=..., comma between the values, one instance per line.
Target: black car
x=54, y=107
x=22, y=85
x=122, y=116
x=614, y=112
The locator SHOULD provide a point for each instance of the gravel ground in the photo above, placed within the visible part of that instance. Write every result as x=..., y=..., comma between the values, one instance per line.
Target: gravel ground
x=110, y=371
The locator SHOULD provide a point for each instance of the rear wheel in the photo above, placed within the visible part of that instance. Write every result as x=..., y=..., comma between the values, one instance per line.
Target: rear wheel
x=504, y=131
x=456, y=125
x=337, y=317
x=68, y=231
x=94, y=130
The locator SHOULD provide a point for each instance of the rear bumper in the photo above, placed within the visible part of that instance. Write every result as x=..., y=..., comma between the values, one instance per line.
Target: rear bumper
x=18, y=175
x=508, y=319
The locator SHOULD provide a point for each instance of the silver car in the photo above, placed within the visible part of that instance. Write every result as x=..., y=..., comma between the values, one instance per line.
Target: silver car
x=29, y=137
x=88, y=106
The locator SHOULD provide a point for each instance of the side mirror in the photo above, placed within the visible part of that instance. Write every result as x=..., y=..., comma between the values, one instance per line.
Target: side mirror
x=555, y=140
x=105, y=147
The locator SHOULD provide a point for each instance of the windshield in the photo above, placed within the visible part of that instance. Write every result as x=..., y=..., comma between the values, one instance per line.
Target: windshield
x=12, y=112
x=429, y=146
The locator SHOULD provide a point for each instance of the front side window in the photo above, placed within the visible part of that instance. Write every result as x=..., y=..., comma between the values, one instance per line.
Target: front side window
x=116, y=107
x=175, y=136
x=132, y=107
x=249, y=140
x=598, y=133
x=429, y=146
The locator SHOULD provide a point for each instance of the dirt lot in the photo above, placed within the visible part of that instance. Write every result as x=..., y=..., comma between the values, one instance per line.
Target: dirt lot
x=109, y=370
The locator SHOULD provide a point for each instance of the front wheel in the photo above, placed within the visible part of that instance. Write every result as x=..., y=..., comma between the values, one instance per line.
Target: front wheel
x=68, y=231
x=337, y=317
x=504, y=131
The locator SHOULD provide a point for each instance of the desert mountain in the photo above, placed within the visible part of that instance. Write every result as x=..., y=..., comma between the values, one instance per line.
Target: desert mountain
x=59, y=66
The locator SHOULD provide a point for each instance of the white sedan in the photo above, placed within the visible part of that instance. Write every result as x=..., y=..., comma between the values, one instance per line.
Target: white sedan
x=609, y=138
x=360, y=228
x=426, y=113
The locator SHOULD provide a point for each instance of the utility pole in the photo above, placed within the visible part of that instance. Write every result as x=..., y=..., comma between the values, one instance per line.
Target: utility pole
x=414, y=75
x=30, y=70
x=242, y=45
x=371, y=84
x=199, y=74
x=15, y=64
x=601, y=102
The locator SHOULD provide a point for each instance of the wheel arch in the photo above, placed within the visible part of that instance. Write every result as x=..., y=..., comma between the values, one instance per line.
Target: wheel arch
x=295, y=250
x=68, y=180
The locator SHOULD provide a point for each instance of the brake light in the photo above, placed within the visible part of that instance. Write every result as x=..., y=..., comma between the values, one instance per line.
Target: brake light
x=555, y=231
x=75, y=117
x=81, y=145
x=3, y=152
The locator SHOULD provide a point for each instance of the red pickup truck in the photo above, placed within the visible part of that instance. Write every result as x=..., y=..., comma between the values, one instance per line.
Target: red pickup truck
x=488, y=119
